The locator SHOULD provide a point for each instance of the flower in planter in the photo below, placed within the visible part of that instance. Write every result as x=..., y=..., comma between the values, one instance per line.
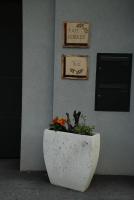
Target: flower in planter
x=60, y=121
x=65, y=125
x=58, y=124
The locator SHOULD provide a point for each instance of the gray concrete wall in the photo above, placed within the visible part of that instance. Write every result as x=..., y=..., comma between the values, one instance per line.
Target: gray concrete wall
x=112, y=30
x=37, y=95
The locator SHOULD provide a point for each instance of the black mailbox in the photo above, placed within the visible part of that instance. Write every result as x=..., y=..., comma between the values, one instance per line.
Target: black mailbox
x=113, y=81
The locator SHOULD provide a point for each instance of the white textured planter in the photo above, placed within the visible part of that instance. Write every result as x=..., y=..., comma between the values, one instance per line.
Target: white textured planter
x=70, y=159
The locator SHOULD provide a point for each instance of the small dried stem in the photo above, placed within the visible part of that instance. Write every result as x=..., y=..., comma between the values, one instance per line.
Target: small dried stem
x=76, y=117
x=70, y=127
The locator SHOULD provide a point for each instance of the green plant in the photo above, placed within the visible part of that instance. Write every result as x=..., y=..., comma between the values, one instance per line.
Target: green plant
x=84, y=130
x=78, y=127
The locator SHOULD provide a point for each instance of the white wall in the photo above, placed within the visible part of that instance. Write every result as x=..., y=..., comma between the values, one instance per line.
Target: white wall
x=112, y=30
x=37, y=95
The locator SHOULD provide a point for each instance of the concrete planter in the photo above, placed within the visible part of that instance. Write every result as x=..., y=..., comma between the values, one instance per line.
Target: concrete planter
x=70, y=159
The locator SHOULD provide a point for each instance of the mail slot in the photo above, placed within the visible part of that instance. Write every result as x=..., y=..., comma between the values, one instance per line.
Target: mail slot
x=113, y=82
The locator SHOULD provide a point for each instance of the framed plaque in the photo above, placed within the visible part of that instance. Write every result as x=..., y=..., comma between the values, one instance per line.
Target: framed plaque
x=76, y=34
x=74, y=67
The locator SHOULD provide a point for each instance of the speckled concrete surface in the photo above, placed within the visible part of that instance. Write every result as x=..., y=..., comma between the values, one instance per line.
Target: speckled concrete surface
x=15, y=185
x=70, y=164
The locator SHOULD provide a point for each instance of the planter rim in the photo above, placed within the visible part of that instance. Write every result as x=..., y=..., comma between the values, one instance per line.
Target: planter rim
x=69, y=133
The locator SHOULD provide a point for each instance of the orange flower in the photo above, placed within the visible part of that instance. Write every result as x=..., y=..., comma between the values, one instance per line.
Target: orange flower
x=55, y=120
x=60, y=121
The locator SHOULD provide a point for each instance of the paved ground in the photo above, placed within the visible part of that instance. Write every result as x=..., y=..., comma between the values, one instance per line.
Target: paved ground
x=15, y=185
